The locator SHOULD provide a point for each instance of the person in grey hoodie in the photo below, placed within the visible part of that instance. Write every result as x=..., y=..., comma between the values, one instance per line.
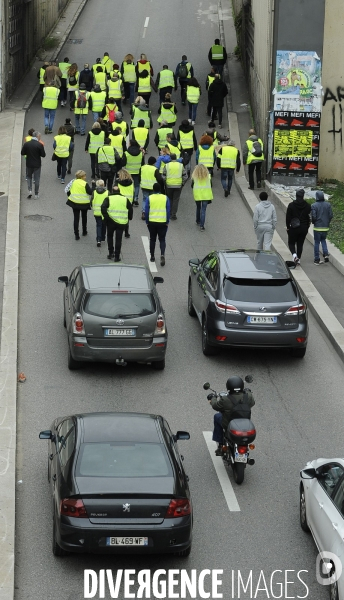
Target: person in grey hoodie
x=322, y=214
x=264, y=222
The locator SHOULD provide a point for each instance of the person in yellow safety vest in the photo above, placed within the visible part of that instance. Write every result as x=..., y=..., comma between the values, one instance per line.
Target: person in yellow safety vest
x=143, y=64
x=125, y=184
x=119, y=122
x=173, y=145
x=64, y=66
x=205, y=153
x=97, y=100
x=95, y=139
x=228, y=160
x=217, y=56
x=149, y=176
x=203, y=194
x=161, y=133
x=109, y=112
x=62, y=145
x=49, y=103
x=40, y=75
x=97, y=199
x=133, y=159
x=107, y=161
x=100, y=78
x=175, y=177
x=73, y=76
x=214, y=134
x=144, y=85
x=157, y=215
x=129, y=78
x=139, y=110
x=193, y=93
x=184, y=72
x=97, y=64
x=116, y=71
x=81, y=108
x=118, y=141
x=108, y=63
x=209, y=81
x=117, y=211
x=167, y=111
x=187, y=139
x=27, y=139
x=141, y=135
x=253, y=157
x=79, y=200
x=115, y=89
x=166, y=82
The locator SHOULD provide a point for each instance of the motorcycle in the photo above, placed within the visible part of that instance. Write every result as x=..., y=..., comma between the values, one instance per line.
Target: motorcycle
x=238, y=439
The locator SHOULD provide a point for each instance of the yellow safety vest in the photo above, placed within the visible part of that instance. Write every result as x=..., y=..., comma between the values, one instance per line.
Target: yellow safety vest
x=144, y=85
x=114, y=89
x=106, y=154
x=186, y=140
x=206, y=157
x=98, y=199
x=148, y=177
x=74, y=86
x=62, y=145
x=174, y=149
x=129, y=74
x=127, y=191
x=140, y=134
x=41, y=76
x=166, y=79
x=101, y=79
x=228, y=157
x=145, y=67
x=108, y=108
x=116, y=72
x=96, y=141
x=122, y=125
x=174, y=174
x=78, y=192
x=50, y=97
x=77, y=110
x=117, y=143
x=167, y=114
x=95, y=66
x=133, y=165
x=202, y=189
x=192, y=94
x=64, y=68
x=217, y=52
x=162, y=133
x=108, y=63
x=210, y=80
x=157, y=208
x=117, y=210
x=98, y=101
x=140, y=114
x=250, y=156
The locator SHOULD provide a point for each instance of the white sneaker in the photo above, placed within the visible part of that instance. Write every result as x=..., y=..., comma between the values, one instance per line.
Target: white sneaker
x=193, y=122
x=36, y=196
x=189, y=121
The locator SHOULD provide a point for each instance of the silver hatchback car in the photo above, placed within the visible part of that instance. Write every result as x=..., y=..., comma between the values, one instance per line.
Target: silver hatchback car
x=113, y=313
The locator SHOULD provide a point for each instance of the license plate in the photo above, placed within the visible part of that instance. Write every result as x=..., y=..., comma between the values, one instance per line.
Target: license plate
x=240, y=458
x=120, y=332
x=127, y=541
x=262, y=319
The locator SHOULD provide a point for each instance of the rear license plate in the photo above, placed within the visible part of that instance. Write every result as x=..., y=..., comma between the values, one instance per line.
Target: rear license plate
x=242, y=458
x=262, y=320
x=120, y=332
x=127, y=541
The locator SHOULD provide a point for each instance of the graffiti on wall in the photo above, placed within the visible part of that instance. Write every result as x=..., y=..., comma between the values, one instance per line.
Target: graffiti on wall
x=335, y=98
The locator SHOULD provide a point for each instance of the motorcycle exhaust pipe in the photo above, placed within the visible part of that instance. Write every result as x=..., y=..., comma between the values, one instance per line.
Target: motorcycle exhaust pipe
x=121, y=362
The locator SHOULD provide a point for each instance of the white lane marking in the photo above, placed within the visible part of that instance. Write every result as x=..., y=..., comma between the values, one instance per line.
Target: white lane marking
x=151, y=265
x=146, y=22
x=145, y=27
x=222, y=474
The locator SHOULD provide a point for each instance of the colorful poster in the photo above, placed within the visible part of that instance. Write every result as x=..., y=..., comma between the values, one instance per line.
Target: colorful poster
x=298, y=81
x=290, y=142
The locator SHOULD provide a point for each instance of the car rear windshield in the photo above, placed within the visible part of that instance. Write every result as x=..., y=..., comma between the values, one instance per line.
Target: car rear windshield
x=259, y=290
x=119, y=305
x=123, y=459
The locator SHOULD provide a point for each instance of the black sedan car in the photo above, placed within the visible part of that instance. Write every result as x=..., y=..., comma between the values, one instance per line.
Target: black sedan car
x=118, y=485
x=247, y=298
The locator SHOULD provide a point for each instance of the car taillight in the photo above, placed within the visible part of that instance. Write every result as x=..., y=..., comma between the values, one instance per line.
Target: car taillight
x=242, y=449
x=70, y=507
x=78, y=324
x=178, y=508
x=299, y=309
x=223, y=307
x=160, y=325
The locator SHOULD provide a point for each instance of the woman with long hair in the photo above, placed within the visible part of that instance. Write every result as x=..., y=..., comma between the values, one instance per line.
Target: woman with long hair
x=73, y=76
x=202, y=192
x=193, y=93
x=125, y=184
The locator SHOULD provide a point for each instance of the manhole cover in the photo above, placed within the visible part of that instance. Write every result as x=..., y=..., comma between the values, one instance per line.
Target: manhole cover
x=74, y=41
x=38, y=218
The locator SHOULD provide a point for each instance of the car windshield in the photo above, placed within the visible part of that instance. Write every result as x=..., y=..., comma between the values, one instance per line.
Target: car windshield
x=259, y=290
x=123, y=459
x=119, y=306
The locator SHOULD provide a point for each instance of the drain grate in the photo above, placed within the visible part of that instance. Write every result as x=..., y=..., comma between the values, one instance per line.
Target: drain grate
x=38, y=218
x=74, y=41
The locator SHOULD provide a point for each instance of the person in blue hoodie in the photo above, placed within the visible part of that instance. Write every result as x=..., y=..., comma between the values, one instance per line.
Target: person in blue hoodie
x=322, y=216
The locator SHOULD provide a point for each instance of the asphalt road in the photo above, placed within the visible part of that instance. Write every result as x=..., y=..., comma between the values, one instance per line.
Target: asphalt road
x=298, y=413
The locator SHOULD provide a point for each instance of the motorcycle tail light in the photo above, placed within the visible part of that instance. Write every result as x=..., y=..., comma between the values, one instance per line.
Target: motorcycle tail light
x=78, y=324
x=242, y=449
x=251, y=446
x=229, y=308
x=160, y=325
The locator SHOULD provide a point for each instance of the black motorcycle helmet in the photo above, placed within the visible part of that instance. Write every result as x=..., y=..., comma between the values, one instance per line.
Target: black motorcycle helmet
x=235, y=385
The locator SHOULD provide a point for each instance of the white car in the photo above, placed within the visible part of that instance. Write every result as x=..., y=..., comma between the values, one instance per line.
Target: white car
x=322, y=512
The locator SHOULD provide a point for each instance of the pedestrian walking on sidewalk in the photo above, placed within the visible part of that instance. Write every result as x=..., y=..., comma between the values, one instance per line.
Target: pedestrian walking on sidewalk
x=157, y=211
x=117, y=211
x=62, y=146
x=79, y=200
x=49, y=103
x=298, y=220
x=264, y=222
x=322, y=215
x=202, y=192
x=253, y=157
x=228, y=160
x=97, y=199
x=34, y=152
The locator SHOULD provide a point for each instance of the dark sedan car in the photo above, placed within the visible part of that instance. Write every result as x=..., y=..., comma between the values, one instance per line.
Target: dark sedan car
x=118, y=485
x=247, y=298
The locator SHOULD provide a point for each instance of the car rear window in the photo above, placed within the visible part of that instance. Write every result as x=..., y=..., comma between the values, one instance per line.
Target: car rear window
x=119, y=305
x=123, y=459
x=254, y=290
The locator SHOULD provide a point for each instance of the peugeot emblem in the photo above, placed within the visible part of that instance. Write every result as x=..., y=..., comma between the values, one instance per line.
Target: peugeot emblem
x=119, y=322
x=126, y=507
x=262, y=308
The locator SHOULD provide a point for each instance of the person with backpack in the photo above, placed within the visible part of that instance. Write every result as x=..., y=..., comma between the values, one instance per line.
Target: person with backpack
x=109, y=112
x=298, y=220
x=73, y=76
x=184, y=72
x=193, y=94
x=98, y=196
x=97, y=102
x=216, y=95
x=322, y=216
x=81, y=108
x=264, y=222
x=167, y=111
x=253, y=157
x=95, y=139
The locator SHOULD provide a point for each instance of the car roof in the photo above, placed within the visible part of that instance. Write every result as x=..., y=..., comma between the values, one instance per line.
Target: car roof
x=116, y=277
x=253, y=264
x=121, y=427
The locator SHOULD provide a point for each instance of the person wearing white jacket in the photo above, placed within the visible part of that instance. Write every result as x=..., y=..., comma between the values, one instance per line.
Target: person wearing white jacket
x=264, y=222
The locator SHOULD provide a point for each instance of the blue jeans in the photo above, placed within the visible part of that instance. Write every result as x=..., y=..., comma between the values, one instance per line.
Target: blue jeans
x=320, y=237
x=100, y=229
x=49, y=117
x=80, y=123
x=136, y=179
x=201, y=207
x=96, y=115
x=227, y=178
x=218, y=431
x=192, y=111
x=129, y=89
x=145, y=196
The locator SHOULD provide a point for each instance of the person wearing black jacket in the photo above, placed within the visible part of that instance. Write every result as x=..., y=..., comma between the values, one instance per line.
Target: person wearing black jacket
x=187, y=140
x=298, y=220
x=70, y=130
x=216, y=95
x=34, y=152
x=107, y=169
x=113, y=224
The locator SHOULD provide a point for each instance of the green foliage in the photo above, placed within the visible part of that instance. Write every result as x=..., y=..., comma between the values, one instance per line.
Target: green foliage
x=237, y=52
x=50, y=42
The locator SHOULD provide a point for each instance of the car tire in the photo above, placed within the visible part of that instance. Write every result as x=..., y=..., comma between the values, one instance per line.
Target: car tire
x=303, y=513
x=206, y=348
x=191, y=309
x=158, y=365
x=298, y=352
x=238, y=472
x=334, y=594
x=73, y=364
x=183, y=553
x=57, y=550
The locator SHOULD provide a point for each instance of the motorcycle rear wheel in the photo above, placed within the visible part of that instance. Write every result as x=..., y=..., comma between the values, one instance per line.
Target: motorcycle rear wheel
x=238, y=472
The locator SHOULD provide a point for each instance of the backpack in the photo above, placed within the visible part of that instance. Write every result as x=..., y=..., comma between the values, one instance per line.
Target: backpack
x=111, y=114
x=257, y=149
x=72, y=80
x=183, y=71
x=82, y=100
x=242, y=409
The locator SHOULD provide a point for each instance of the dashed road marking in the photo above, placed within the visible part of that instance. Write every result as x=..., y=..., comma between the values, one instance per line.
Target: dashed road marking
x=145, y=27
x=222, y=474
x=151, y=265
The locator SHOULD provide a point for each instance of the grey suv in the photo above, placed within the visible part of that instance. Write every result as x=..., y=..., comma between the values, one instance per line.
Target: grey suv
x=247, y=298
x=113, y=313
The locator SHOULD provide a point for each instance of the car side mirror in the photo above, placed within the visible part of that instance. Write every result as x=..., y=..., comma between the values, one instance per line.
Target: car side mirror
x=309, y=474
x=290, y=264
x=63, y=279
x=45, y=435
x=181, y=435
x=248, y=378
x=206, y=385
x=158, y=280
x=194, y=262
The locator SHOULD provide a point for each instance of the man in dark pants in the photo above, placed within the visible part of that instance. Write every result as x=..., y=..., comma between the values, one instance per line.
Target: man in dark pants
x=117, y=210
x=253, y=157
x=297, y=220
x=175, y=176
x=216, y=95
x=184, y=72
x=157, y=212
x=34, y=152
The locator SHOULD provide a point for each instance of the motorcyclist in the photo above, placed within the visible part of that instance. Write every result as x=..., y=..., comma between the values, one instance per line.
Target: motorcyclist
x=235, y=403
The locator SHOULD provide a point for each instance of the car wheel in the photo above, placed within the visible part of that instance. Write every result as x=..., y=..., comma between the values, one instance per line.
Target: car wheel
x=238, y=472
x=158, y=365
x=72, y=364
x=183, y=553
x=206, y=348
x=57, y=550
x=334, y=594
x=303, y=513
x=298, y=352
x=191, y=309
